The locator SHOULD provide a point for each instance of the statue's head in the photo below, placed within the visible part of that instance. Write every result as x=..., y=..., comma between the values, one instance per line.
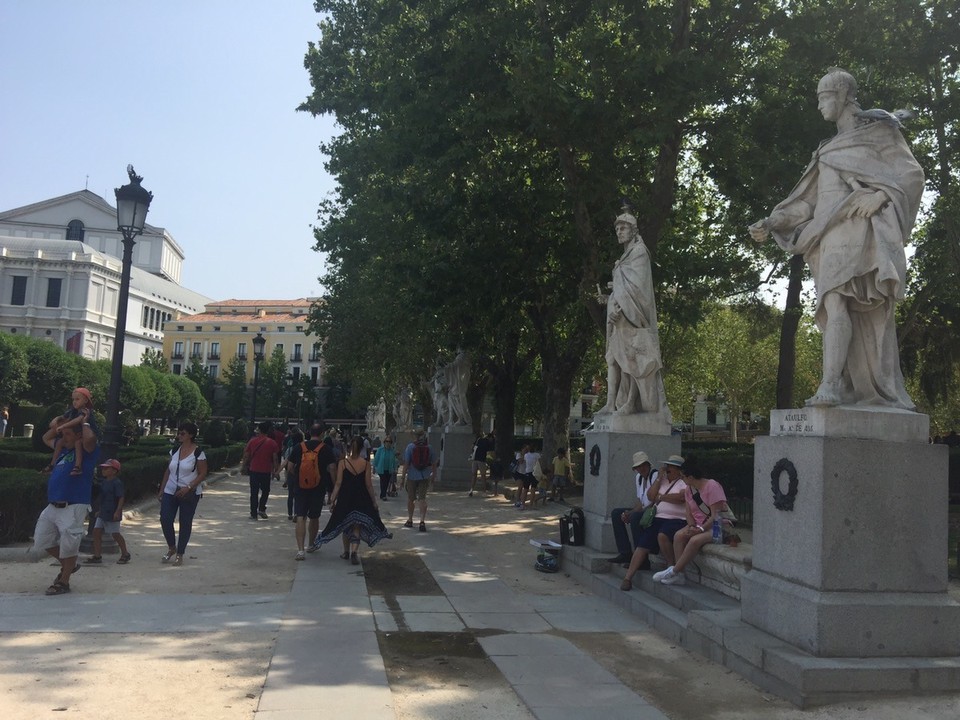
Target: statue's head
x=835, y=91
x=626, y=228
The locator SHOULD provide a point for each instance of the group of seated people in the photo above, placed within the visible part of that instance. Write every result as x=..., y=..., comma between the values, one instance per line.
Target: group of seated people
x=686, y=505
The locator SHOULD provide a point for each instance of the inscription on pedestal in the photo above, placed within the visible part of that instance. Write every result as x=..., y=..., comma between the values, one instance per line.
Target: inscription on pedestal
x=797, y=423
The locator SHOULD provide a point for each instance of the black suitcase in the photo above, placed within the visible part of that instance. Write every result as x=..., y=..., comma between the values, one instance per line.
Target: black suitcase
x=571, y=527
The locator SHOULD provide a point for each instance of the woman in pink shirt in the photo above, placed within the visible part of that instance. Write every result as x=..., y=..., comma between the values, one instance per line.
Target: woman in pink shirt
x=704, y=501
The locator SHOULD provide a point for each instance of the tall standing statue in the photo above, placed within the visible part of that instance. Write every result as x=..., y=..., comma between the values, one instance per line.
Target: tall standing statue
x=634, y=380
x=403, y=409
x=458, y=380
x=849, y=216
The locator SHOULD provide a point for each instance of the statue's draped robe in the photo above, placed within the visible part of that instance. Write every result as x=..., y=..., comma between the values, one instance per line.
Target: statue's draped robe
x=632, y=340
x=860, y=258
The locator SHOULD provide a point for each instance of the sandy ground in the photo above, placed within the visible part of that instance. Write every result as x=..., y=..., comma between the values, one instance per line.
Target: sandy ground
x=213, y=675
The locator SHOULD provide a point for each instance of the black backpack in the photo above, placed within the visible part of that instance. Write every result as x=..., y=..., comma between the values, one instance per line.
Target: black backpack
x=571, y=527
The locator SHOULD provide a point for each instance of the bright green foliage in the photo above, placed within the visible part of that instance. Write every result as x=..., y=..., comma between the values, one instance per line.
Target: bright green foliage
x=52, y=374
x=234, y=381
x=154, y=359
x=137, y=391
x=167, y=402
x=272, y=387
x=200, y=376
x=193, y=406
x=13, y=369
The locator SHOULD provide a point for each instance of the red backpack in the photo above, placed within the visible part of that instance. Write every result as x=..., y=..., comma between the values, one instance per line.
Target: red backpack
x=420, y=457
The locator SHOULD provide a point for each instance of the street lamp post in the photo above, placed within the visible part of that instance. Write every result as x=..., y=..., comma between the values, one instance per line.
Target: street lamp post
x=258, y=344
x=133, y=201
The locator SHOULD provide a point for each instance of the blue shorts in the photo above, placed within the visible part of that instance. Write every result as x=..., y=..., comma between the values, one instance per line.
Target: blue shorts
x=668, y=527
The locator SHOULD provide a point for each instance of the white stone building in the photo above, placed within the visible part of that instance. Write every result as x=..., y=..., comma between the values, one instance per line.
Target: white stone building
x=60, y=265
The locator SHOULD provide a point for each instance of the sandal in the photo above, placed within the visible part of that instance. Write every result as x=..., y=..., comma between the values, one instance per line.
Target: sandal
x=124, y=559
x=626, y=585
x=344, y=555
x=76, y=471
x=178, y=561
x=58, y=588
x=166, y=558
x=93, y=560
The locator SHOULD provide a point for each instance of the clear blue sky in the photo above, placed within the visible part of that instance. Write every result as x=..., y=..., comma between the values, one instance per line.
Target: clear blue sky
x=200, y=96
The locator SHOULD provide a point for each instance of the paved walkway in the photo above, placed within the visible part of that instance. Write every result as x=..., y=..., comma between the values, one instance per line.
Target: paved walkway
x=244, y=631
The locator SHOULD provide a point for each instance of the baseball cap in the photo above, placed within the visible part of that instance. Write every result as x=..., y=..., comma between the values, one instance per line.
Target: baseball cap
x=115, y=464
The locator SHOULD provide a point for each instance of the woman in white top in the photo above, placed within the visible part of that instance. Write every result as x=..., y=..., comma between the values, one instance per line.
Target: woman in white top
x=180, y=491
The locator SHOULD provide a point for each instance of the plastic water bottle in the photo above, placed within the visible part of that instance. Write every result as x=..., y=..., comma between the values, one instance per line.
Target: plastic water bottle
x=717, y=532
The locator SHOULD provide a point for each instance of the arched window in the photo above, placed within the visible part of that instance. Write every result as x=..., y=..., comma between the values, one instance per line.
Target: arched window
x=75, y=230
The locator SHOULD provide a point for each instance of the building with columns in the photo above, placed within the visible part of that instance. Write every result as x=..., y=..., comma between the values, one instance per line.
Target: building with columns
x=60, y=265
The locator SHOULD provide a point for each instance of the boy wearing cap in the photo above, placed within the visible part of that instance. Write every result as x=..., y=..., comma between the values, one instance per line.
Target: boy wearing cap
x=644, y=477
x=110, y=514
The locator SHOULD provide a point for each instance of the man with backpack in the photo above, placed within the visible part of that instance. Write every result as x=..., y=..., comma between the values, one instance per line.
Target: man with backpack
x=421, y=465
x=311, y=466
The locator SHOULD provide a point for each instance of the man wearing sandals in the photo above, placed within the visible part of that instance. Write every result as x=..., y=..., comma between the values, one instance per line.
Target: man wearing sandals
x=61, y=524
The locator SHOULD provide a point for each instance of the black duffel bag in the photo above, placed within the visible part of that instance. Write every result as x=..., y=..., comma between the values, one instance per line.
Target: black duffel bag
x=571, y=527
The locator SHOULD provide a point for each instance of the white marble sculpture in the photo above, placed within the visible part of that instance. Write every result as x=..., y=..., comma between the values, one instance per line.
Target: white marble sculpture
x=439, y=391
x=458, y=380
x=634, y=380
x=849, y=216
x=403, y=409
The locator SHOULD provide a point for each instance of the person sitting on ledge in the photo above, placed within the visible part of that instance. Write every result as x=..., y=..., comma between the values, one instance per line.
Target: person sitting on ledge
x=667, y=493
x=644, y=478
x=705, y=500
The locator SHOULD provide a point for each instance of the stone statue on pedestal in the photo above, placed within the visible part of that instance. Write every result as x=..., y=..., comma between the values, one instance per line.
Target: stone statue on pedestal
x=439, y=391
x=403, y=409
x=458, y=380
x=634, y=380
x=849, y=216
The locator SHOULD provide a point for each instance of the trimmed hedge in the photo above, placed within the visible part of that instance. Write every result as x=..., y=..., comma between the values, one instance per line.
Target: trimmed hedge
x=23, y=491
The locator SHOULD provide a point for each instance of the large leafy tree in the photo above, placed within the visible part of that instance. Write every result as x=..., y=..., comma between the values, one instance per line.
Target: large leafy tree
x=52, y=374
x=234, y=380
x=14, y=367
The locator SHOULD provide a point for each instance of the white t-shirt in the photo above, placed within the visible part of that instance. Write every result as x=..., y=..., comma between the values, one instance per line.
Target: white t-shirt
x=183, y=472
x=521, y=465
x=642, y=487
x=529, y=460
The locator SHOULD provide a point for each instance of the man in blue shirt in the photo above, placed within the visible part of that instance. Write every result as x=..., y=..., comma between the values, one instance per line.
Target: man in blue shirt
x=421, y=465
x=61, y=524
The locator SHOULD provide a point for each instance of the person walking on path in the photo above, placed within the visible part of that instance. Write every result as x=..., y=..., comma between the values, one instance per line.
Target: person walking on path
x=263, y=456
x=61, y=524
x=562, y=475
x=180, y=491
x=311, y=465
x=421, y=464
x=478, y=462
x=355, y=513
x=293, y=439
x=385, y=465
x=110, y=514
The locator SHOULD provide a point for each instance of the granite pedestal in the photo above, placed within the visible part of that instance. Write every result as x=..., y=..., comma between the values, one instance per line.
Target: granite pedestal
x=456, y=442
x=850, y=536
x=609, y=452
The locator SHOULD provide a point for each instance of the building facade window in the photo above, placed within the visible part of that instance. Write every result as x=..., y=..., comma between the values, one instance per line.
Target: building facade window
x=213, y=370
x=315, y=375
x=214, y=351
x=296, y=373
x=178, y=351
x=18, y=295
x=196, y=352
x=75, y=230
x=297, y=353
x=53, y=292
x=177, y=368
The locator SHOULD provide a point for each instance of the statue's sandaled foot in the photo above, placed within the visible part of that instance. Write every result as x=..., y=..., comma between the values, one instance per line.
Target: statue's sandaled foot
x=827, y=395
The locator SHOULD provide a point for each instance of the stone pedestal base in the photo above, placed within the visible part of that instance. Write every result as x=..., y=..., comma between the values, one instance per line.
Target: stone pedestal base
x=613, y=485
x=852, y=559
x=457, y=442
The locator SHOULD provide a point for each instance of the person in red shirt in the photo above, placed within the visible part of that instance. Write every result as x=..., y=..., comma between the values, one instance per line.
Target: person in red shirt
x=263, y=457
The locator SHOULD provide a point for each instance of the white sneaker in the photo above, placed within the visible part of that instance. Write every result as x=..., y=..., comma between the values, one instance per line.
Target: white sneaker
x=658, y=576
x=300, y=555
x=674, y=578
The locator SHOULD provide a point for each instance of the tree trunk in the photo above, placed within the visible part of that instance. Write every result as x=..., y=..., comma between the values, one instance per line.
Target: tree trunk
x=788, y=335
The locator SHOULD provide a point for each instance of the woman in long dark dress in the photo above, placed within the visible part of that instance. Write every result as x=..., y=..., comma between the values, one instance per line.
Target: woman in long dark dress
x=356, y=515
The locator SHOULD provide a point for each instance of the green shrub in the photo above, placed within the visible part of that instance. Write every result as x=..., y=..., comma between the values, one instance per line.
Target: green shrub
x=215, y=434
x=240, y=432
x=23, y=495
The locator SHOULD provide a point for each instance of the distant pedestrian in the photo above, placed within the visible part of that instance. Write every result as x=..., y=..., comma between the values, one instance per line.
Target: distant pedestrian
x=385, y=465
x=4, y=421
x=421, y=463
x=478, y=463
x=355, y=513
x=562, y=474
x=262, y=454
x=293, y=439
x=180, y=491
x=110, y=514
